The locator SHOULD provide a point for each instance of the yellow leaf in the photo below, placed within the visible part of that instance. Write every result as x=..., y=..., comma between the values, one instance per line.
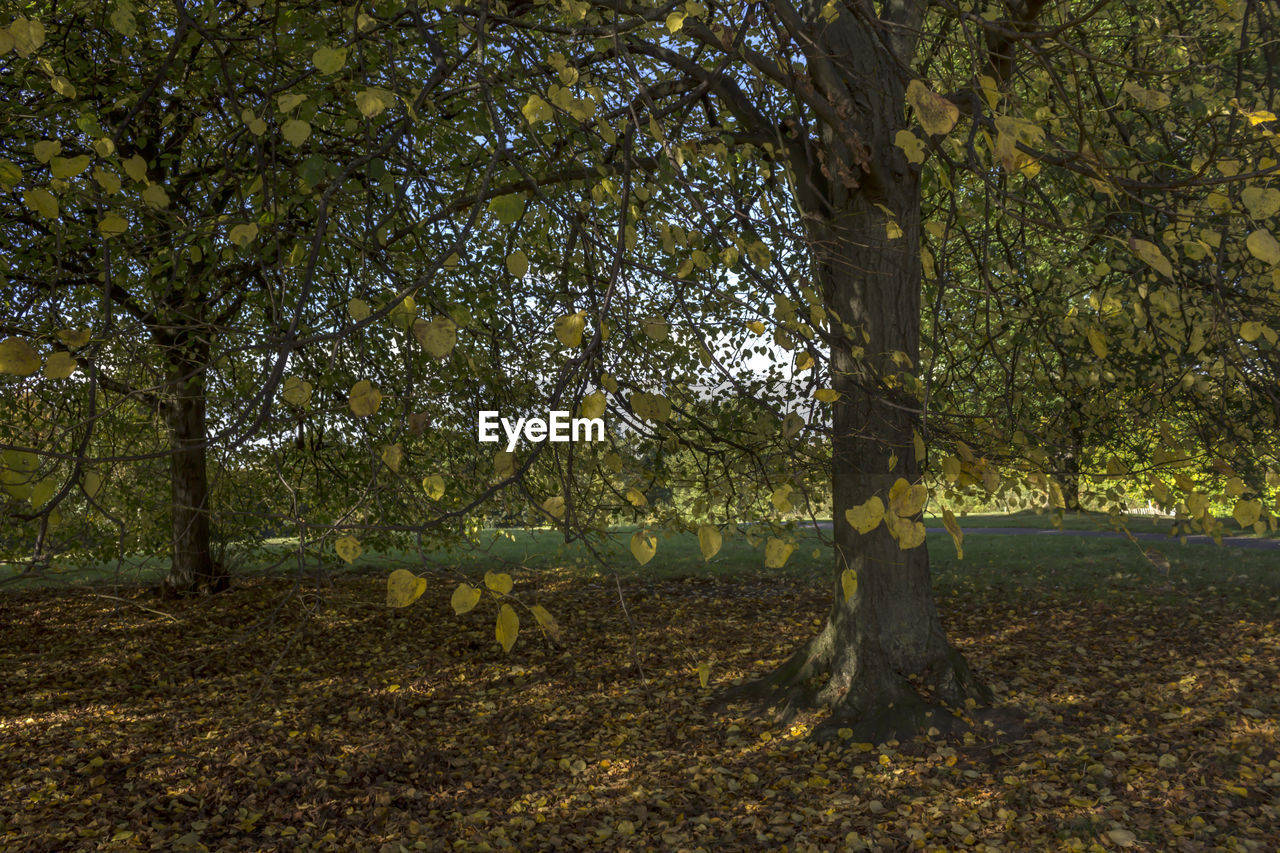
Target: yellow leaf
x=568, y=328
x=504, y=464
x=636, y=498
x=826, y=395
x=592, y=405
x=112, y=225
x=848, y=583
x=41, y=201
x=404, y=588
x=781, y=498
x=704, y=674
x=546, y=621
x=865, y=517
x=653, y=407
x=1150, y=254
x=957, y=535
x=1247, y=513
x=675, y=22
x=107, y=180
x=433, y=485
x=1251, y=330
x=329, y=60
x=374, y=101
x=499, y=582
x=46, y=149
x=243, y=235
x=1097, y=342
x=554, y=506
x=295, y=131
x=910, y=534
x=364, y=398
x=1264, y=247
x=136, y=168
x=791, y=425
x=392, y=455
x=296, y=392
x=936, y=114
x=348, y=548
x=952, y=468
x=508, y=627
x=905, y=499
x=289, y=101
x=657, y=329
x=464, y=598
x=1261, y=202
x=60, y=365
x=27, y=36
x=643, y=546
x=803, y=361
x=709, y=541
x=777, y=552
x=518, y=263
x=18, y=358
x=438, y=337
x=756, y=326
x=69, y=167
x=62, y=86
x=358, y=309
x=92, y=483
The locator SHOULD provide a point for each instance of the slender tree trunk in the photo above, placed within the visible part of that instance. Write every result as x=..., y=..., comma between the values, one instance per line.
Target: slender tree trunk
x=882, y=663
x=192, y=570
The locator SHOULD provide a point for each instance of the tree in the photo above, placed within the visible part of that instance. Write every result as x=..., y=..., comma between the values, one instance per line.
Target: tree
x=794, y=130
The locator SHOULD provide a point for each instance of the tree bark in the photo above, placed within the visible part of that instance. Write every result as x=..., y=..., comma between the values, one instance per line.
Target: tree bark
x=192, y=569
x=882, y=663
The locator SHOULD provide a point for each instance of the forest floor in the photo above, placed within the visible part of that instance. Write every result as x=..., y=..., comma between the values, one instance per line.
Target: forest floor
x=1140, y=715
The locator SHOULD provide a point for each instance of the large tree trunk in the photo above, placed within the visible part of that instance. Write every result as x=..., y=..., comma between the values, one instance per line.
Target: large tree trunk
x=193, y=569
x=882, y=663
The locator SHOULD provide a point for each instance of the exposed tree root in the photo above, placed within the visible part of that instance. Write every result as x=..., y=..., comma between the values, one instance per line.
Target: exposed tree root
x=865, y=697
